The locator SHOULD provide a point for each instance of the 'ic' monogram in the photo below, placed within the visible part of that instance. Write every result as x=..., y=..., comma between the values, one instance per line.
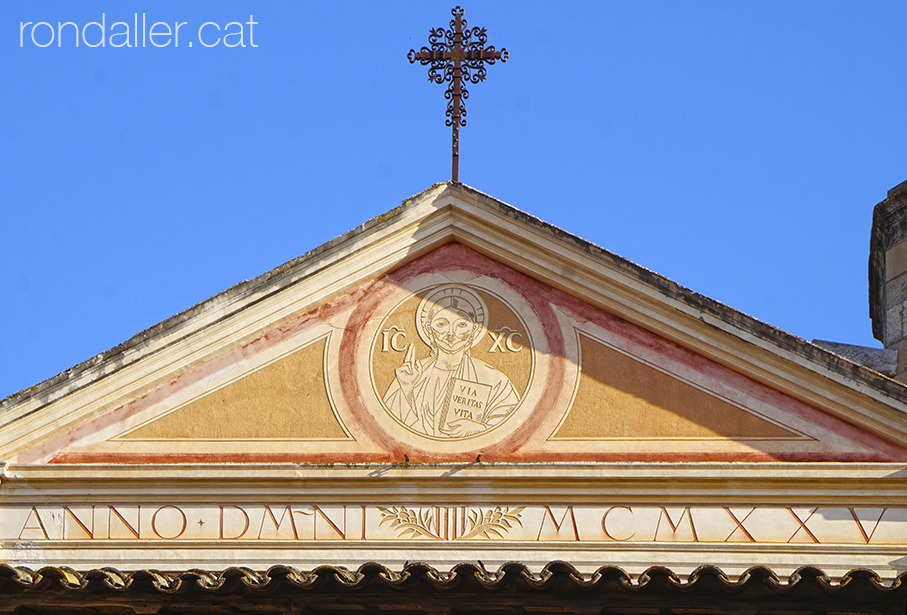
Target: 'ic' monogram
x=391, y=340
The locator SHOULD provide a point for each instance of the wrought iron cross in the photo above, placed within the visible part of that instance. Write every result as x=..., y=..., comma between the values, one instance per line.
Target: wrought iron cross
x=456, y=56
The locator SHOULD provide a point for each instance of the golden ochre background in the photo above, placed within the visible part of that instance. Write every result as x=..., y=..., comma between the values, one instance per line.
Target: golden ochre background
x=515, y=365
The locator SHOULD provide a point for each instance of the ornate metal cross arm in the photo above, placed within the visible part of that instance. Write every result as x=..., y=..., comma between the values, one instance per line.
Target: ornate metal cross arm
x=457, y=56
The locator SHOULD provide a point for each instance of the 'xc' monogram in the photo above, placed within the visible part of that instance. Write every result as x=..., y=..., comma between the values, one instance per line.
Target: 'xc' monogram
x=502, y=340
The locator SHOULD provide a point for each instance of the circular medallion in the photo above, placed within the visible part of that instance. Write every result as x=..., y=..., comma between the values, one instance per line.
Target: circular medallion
x=451, y=362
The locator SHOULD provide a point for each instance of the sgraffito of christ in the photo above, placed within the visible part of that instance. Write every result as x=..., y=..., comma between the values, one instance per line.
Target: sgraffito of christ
x=450, y=394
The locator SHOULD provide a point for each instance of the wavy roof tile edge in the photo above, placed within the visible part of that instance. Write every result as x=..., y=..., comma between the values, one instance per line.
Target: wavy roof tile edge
x=327, y=578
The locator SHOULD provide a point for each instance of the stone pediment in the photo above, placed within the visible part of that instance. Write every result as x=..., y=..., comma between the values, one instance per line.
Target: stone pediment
x=453, y=327
x=457, y=381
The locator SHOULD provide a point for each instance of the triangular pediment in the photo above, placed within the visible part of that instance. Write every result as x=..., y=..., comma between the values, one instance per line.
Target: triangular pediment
x=621, y=396
x=285, y=399
x=450, y=328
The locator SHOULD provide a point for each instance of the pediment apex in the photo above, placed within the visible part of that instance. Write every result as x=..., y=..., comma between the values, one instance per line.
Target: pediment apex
x=455, y=213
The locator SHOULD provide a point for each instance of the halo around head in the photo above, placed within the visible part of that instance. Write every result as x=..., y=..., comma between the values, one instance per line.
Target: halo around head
x=452, y=296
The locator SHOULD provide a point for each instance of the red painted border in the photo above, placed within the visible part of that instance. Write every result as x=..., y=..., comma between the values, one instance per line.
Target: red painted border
x=364, y=302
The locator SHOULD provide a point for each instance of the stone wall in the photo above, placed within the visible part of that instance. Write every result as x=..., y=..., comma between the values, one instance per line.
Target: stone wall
x=888, y=274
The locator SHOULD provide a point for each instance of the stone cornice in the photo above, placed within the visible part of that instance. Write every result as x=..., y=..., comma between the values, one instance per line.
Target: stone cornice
x=567, y=482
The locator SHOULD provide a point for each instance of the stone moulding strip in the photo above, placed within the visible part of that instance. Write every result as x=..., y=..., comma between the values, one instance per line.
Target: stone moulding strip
x=819, y=483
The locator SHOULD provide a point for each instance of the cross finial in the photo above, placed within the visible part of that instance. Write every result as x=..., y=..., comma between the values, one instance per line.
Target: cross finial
x=457, y=56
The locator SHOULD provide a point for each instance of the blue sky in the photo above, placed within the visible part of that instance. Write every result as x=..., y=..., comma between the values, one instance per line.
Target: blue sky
x=735, y=147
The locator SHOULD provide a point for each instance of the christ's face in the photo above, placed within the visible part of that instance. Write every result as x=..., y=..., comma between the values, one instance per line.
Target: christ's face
x=452, y=329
